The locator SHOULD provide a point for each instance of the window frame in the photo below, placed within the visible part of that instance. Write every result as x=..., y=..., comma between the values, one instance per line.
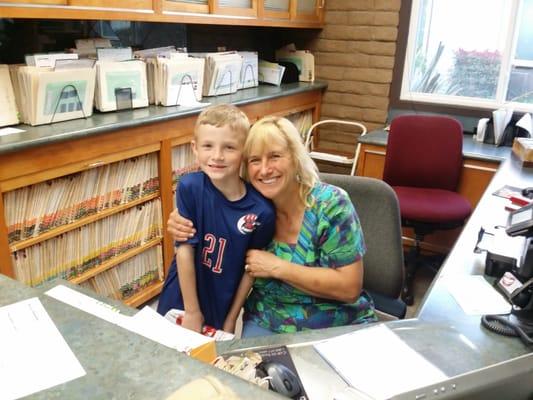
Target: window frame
x=438, y=103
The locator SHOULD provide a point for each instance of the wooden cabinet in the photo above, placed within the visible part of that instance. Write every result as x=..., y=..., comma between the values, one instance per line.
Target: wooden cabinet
x=93, y=210
x=475, y=177
x=274, y=13
x=189, y=6
x=247, y=8
x=122, y=4
x=308, y=10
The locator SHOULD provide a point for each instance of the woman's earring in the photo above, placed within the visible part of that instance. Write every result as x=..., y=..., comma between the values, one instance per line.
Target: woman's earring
x=298, y=178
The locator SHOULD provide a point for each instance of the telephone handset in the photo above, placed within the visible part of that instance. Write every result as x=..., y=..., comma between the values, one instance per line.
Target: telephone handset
x=519, y=322
x=517, y=285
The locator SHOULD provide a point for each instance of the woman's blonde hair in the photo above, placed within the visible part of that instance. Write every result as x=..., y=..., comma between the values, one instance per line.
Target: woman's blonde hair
x=281, y=131
x=221, y=115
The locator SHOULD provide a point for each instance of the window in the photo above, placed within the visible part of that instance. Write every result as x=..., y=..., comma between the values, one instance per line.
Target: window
x=476, y=53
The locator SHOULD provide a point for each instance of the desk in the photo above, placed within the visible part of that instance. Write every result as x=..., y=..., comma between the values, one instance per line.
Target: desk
x=130, y=366
x=442, y=332
x=119, y=364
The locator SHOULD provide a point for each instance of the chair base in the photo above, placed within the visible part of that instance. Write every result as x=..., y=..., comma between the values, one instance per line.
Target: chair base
x=413, y=262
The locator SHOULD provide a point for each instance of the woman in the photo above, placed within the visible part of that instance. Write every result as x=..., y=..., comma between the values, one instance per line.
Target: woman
x=311, y=275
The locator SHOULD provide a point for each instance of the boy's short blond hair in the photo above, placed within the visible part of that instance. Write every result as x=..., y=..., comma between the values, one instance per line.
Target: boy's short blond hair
x=221, y=115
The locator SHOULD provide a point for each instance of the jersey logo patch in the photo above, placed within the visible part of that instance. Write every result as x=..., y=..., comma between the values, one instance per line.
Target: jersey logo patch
x=247, y=223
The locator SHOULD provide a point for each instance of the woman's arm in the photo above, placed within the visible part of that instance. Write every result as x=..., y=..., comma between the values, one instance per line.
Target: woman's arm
x=341, y=284
x=179, y=227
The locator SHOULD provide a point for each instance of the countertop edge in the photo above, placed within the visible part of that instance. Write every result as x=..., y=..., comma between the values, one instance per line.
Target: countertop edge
x=59, y=132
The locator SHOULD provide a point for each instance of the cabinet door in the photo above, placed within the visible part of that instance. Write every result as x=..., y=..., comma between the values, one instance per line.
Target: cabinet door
x=127, y=4
x=55, y=2
x=277, y=9
x=246, y=8
x=307, y=10
x=192, y=6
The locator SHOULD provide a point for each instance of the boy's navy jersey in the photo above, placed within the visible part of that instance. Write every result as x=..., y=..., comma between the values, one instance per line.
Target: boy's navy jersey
x=225, y=230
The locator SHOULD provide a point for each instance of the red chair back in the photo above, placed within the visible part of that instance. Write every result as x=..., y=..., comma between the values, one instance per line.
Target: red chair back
x=424, y=151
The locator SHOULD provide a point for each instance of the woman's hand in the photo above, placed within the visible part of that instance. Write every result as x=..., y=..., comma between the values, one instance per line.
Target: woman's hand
x=193, y=320
x=262, y=264
x=179, y=227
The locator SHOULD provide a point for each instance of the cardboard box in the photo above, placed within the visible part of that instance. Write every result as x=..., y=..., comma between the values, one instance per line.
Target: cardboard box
x=523, y=148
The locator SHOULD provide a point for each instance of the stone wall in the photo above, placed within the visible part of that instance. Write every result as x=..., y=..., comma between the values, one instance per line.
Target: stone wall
x=355, y=53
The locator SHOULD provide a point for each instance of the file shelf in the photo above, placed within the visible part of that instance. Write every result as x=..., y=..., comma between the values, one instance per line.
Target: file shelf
x=161, y=149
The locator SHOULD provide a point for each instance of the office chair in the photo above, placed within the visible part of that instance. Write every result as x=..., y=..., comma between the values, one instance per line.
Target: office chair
x=423, y=164
x=335, y=158
x=377, y=207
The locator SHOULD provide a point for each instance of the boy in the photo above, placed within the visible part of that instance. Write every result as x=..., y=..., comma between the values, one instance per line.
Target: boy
x=206, y=278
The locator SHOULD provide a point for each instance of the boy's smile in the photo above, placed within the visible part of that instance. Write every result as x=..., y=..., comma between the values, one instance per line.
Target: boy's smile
x=219, y=153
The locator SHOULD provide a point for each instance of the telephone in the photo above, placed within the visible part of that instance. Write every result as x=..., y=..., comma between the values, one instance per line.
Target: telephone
x=517, y=284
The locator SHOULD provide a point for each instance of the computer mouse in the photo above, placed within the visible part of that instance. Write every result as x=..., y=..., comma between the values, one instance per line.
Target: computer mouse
x=284, y=381
x=528, y=192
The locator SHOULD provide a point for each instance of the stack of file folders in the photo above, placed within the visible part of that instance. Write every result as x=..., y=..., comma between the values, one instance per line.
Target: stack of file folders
x=222, y=72
x=120, y=85
x=303, y=59
x=46, y=94
x=249, y=76
x=8, y=107
x=175, y=79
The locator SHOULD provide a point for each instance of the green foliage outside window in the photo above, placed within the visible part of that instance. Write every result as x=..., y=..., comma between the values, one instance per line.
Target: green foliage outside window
x=475, y=73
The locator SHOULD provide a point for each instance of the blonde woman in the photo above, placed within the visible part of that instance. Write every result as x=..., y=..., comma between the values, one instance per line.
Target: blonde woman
x=310, y=276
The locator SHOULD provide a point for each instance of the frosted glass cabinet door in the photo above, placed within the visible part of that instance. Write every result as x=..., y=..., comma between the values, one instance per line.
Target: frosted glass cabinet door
x=192, y=6
x=279, y=9
x=308, y=10
x=55, y=2
x=126, y=4
x=236, y=7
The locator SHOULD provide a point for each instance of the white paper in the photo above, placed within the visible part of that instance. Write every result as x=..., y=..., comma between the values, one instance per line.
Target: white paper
x=364, y=357
x=500, y=119
x=476, y=296
x=10, y=130
x=114, y=54
x=481, y=129
x=147, y=322
x=153, y=326
x=33, y=354
x=525, y=123
x=86, y=303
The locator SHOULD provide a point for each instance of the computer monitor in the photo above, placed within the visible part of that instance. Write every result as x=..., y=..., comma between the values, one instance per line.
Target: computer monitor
x=510, y=379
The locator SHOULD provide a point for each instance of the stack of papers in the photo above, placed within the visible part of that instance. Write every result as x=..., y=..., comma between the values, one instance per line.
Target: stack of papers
x=176, y=80
x=222, y=72
x=362, y=358
x=45, y=95
x=270, y=72
x=48, y=60
x=303, y=59
x=500, y=119
x=35, y=356
x=120, y=85
x=8, y=107
x=249, y=71
x=88, y=47
x=147, y=323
